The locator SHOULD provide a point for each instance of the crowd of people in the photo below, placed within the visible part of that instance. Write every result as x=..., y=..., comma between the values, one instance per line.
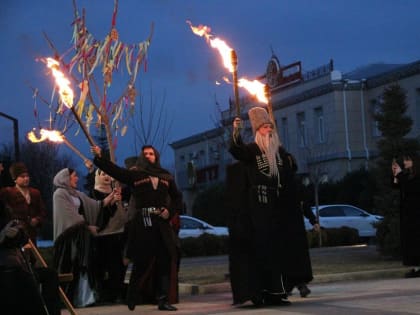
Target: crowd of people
x=97, y=235
x=129, y=216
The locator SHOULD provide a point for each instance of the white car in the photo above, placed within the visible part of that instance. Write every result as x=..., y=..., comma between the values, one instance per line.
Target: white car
x=336, y=216
x=193, y=227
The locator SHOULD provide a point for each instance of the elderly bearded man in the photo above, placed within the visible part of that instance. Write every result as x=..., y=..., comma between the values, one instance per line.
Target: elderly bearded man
x=269, y=251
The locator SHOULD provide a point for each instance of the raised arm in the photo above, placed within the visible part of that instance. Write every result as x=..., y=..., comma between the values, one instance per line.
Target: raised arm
x=119, y=173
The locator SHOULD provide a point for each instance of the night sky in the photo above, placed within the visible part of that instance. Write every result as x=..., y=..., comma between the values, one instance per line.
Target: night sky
x=182, y=66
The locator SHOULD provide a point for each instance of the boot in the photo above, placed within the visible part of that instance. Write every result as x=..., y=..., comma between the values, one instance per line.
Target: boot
x=303, y=290
x=163, y=304
x=131, y=299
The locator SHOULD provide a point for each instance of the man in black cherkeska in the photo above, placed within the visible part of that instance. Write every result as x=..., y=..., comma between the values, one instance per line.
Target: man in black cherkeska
x=268, y=247
x=151, y=246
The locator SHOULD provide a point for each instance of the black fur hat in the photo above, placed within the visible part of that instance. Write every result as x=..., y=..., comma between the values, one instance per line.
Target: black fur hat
x=17, y=169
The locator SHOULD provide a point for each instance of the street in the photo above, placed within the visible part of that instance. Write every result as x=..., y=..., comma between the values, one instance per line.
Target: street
x=385, y=297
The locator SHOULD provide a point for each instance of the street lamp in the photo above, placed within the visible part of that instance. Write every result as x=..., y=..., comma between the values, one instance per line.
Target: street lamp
x=15, y=133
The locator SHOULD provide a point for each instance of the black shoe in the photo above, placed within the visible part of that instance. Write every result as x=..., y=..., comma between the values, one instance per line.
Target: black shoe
x=284, y=302
x=165, y=306
x=131, y=306
x=304, y=290
x=257, y=301
x=276, y=299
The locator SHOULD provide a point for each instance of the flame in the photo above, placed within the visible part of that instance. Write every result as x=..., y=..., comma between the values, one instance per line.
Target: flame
x=66, y=93
x=255, y=88
x=51, y=135
x=223, y=48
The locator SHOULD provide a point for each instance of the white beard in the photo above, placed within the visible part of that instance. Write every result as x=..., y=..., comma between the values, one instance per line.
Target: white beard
x=269, y=146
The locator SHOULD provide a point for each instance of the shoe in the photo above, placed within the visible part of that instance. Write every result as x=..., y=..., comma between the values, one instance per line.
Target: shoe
x=284, y=302
x=276, y=299
x=165, y=306
x=413, y=274
x=131, y=306
x=304, y=290
x=257, y=301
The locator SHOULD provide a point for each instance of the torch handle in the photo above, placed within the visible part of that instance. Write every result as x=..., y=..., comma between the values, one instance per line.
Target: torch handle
x=83, y=126
x=234, y=60
x=60, y=290
x=73, y=148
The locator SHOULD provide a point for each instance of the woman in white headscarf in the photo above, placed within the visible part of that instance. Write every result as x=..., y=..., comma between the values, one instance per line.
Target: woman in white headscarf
x=74, y=217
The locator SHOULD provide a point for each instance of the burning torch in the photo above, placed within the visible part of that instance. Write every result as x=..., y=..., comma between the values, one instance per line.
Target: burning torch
x=230, y=62
x=66, y=94
x=54, y=136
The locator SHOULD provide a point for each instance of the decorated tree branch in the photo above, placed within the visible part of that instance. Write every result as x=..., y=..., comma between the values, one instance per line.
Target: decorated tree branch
x=91, y=66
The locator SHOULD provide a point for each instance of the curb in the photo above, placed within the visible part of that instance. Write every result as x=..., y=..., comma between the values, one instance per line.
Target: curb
x=195, y=289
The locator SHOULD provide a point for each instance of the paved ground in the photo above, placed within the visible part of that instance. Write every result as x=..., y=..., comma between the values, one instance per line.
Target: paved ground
x=382, y=292
x=393, y=296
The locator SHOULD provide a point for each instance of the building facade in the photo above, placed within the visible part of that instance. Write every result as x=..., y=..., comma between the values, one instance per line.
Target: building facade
x=324, y=118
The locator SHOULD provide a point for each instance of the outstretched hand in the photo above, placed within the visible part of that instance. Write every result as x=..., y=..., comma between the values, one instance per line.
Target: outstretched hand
x=95, y=150
x=89, y=165
x=237, y=123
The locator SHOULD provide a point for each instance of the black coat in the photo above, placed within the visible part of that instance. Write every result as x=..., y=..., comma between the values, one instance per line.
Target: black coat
x=267, y=234
x=410, y=218
x=144, y=244
x=141, y=241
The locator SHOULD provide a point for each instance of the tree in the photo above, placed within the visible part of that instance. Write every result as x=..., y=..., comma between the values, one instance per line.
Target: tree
x=394, y=124
x=151, y=123
x=91, y=65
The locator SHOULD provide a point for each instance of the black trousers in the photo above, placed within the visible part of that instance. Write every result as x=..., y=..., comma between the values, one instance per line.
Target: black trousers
x=152, y=272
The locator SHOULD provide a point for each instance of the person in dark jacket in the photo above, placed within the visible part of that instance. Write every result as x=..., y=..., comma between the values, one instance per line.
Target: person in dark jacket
x=26, y=290
x=265, y=227
x=408, y=181
x=297, y=233
x=152, y=245
x=25, y=202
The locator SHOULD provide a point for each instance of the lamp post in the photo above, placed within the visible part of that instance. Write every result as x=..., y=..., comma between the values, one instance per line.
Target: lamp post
x=15, y=134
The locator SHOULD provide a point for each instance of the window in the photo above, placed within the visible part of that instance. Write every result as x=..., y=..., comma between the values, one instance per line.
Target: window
x=190, y=224
x=375, y=109
x=301, y=129
x=319, y=124
x=334, y=211
x=284, y=135
x=352, y=212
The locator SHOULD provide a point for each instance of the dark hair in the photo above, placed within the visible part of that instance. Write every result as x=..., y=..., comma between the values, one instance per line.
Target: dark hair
x=415, y=158
x=71, y=170
x=147, y=146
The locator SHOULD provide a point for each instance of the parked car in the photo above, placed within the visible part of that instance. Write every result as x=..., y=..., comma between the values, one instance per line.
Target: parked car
x=193, y=227
x=336, y=216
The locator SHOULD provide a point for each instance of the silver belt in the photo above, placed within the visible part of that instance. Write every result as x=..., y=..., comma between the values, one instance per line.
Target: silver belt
x=151, y=210
x=146, y=214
